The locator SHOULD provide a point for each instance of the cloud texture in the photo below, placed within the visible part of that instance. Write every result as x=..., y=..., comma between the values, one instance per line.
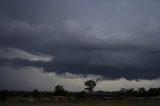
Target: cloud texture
x=114, y=39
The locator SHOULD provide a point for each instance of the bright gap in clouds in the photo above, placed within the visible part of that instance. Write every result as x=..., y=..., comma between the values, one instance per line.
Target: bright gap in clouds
x=12, y=53
x=32, y=78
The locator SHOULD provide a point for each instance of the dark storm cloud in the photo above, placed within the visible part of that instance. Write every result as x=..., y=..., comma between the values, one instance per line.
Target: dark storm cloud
x=130, y=73
x=116, y=39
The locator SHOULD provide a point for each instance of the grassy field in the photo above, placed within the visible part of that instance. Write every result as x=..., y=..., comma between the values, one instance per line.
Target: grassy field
x=87, y=103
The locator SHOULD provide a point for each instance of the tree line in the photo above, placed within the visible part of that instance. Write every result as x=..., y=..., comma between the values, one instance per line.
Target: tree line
x=88, y=91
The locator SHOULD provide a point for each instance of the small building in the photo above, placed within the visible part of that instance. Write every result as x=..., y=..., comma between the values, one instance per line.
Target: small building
x=59, y=98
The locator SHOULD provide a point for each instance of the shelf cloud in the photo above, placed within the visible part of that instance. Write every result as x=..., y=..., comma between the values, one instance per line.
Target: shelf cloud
x=113, y=39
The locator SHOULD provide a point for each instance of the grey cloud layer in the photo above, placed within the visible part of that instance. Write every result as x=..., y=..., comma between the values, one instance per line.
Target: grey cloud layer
x=111, y=38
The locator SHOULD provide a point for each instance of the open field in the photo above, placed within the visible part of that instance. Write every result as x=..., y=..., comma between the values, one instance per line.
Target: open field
x=87, y=103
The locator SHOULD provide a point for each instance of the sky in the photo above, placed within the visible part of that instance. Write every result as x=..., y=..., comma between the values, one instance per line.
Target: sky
x=44, y=43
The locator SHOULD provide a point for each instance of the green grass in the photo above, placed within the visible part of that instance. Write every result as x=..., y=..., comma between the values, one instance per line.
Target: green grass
x=87, y=103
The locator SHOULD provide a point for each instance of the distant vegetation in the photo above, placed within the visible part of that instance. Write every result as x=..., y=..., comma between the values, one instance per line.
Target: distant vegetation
x=123, y=93
x=86, y=95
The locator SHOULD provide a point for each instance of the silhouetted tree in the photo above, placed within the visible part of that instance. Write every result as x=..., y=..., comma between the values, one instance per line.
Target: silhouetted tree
x=3, y=95
x=121, y=93
x=90, y=84
x=82, y=94
x=129, y=92
x=59, y=90
x=154, y=92
x=36, y=94
x=142, y=92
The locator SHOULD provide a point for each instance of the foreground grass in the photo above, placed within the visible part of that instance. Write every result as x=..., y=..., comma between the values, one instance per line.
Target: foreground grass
x=88, y=103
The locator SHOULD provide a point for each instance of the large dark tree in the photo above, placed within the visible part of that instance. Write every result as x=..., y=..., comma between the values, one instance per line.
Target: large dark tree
x=3, y=95
x=90, y=84
x=153, y=92
x=142, y=92
x=36, y=94
x=59, y=90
